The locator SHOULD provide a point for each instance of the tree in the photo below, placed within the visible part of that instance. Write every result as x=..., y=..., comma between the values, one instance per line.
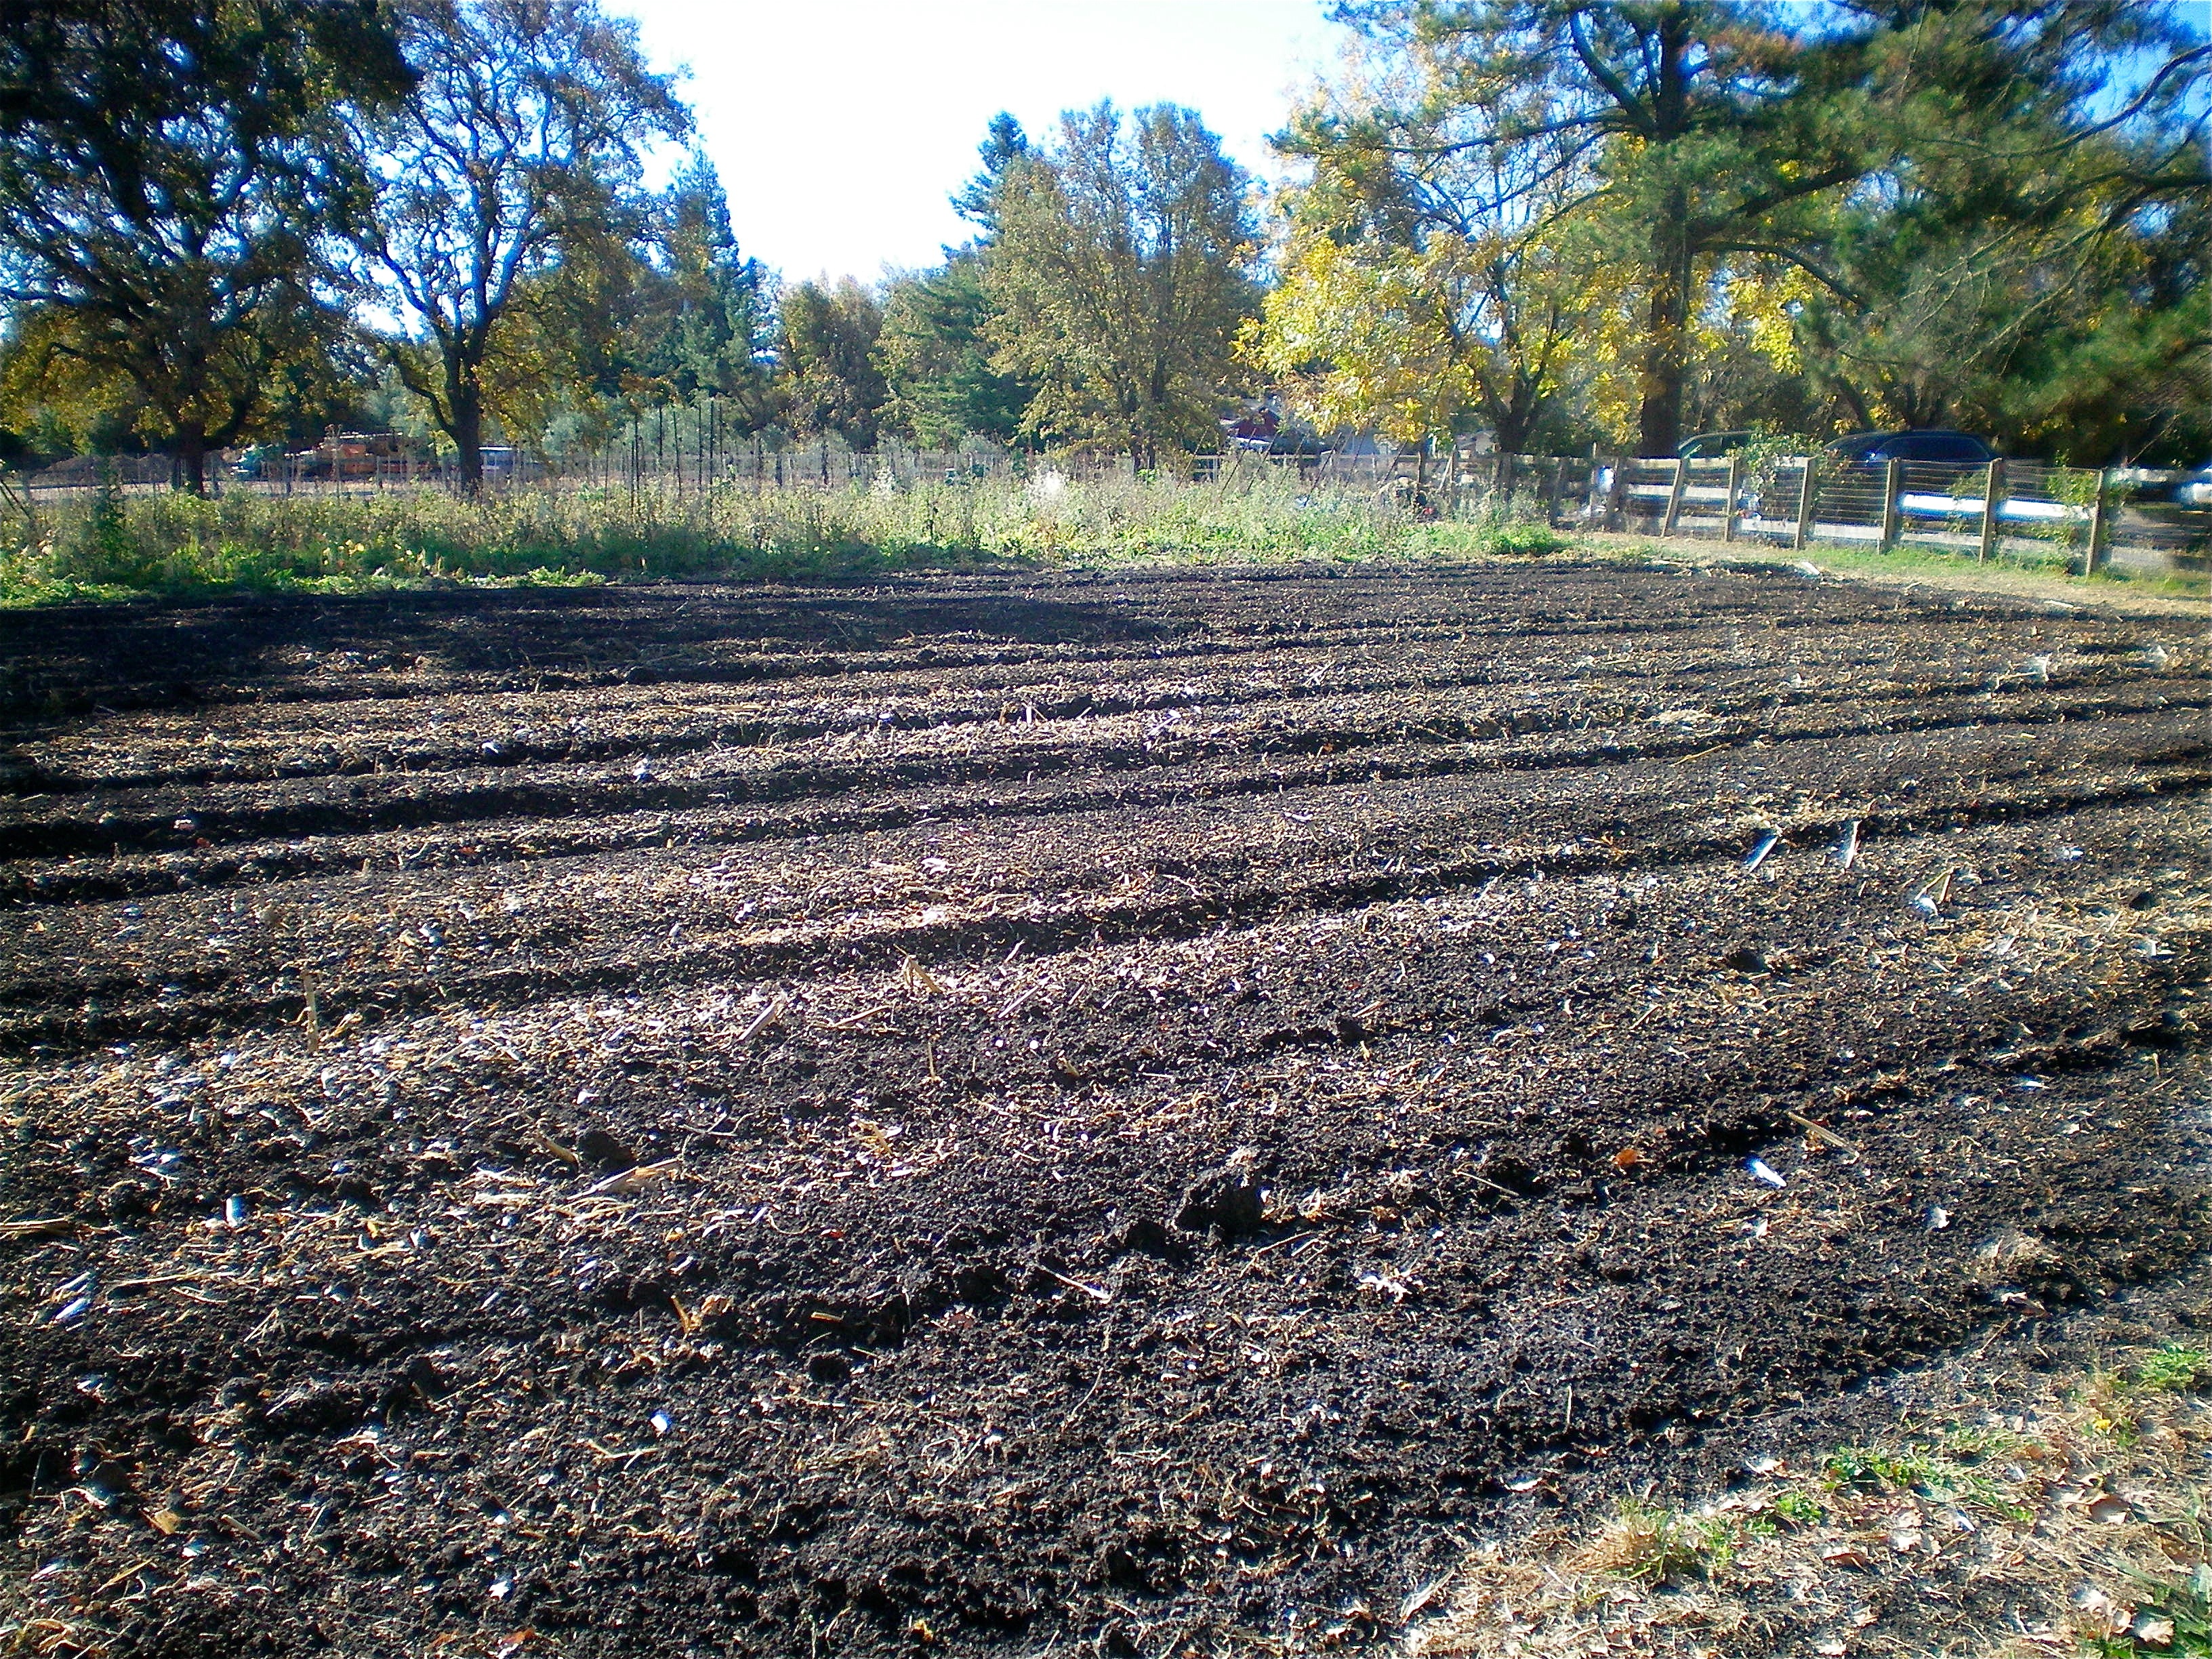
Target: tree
x=1406, y=343
x=718, y=304
x=521, y=141
x=936, y=354
x=827, y=353
x=1409, y=298
x=937, y=348
x=1119, y=271
x=1004, y=144
x=2033, y=263
x=1882, y=192
x=1686, y=130
x=171, y=172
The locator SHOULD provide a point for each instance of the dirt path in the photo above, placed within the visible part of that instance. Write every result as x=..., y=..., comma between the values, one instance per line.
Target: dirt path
x=1127, y=1112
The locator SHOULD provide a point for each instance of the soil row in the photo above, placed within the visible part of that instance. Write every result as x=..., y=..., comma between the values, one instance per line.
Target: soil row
x=1151, y=1175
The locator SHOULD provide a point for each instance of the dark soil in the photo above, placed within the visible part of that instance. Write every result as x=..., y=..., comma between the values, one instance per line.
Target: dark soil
x=1137, y=1113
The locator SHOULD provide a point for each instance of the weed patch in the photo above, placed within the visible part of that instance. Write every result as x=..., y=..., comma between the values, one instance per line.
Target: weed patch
x=2043, y=1533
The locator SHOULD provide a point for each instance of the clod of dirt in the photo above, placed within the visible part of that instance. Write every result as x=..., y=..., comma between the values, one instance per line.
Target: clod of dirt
x=598, y=1146
x=1227, y=1199
x=1146, y=1237
x=2019, y=1259
x=315, y=1407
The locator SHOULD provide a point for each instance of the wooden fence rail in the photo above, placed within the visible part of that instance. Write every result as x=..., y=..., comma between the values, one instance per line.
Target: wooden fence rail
x=1797, y=500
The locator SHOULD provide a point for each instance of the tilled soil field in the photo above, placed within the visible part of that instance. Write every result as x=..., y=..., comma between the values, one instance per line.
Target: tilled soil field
x=1127, y=1114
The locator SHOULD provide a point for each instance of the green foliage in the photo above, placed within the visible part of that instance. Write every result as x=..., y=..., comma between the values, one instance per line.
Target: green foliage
x=2175, y=1369
x=833, y=382
x=1118, y=270
x=714, y=307
x=2185, y=1604
x=170, y=176
x=2034, y=268
x=1004, y=144
x=1651, y=1545
x=1799, y=1509
x=117, y=545
x=1523, y=540
x=1672, y=147
x=1992, y=213
x=936, y=351
x=509, y=186
x=1946, y=1470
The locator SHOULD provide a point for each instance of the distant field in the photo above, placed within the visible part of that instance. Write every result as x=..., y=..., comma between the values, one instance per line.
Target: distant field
x=984, y=1112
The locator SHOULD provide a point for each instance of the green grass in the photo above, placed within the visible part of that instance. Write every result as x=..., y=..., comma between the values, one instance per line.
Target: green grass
x=106, y=547
x=2021, y=557
x=1651, y=1545
x=1948, y=1470
x=113, y=547
x=2184, y=1605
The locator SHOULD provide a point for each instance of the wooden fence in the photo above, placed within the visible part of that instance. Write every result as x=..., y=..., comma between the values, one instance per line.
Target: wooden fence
x=1795, y=500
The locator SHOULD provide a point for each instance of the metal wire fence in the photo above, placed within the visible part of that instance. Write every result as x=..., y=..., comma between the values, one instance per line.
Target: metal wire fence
x=2003, y=506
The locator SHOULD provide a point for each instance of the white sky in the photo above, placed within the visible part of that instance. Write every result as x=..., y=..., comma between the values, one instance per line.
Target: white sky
x=841, y=128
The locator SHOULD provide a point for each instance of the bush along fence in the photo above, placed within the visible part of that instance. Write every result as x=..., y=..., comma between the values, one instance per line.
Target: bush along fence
x=2085, y=519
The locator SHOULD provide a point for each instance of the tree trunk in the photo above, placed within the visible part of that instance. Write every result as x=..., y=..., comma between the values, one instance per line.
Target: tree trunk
x=467, y=404
x=1667, y=352
x=191, y=458
x=1666, y=348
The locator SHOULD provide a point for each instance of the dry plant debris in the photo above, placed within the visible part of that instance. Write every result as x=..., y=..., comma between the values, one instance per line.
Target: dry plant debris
x=2076, y=1523
x=1122, y=1113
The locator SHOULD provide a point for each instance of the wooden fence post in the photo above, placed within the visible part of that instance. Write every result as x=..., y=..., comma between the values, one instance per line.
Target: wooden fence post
x=1806, y=487
x=1727, y=509
x=1893, y=481
x=1552, y=486
x=1674, y=496
x=1992, y=494
x=1617, y=495
x=2099, y=526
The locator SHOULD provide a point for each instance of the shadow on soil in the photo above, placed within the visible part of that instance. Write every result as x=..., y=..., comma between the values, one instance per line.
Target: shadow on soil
x=79, y=658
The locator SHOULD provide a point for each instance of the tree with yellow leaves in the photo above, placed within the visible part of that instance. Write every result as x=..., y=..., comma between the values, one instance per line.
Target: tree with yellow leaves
x=1406, y=342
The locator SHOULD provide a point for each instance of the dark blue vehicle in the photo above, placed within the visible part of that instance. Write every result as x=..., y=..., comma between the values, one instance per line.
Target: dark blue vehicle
x=1932, y=446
